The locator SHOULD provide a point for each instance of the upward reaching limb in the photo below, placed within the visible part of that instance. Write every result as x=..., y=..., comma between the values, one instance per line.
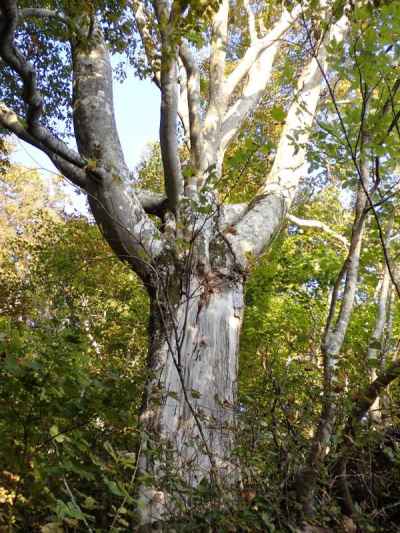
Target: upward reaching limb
x=332, y=342
x=124, y=223
x=194, y=107
x=251, y=21
x=24, y=69
x=216, y=99
x=258, y=47
x=383, y=297
x=218, y=56
x=153, y=55
x=375, y=356
x=168, y=131
x=269, y=208
x=169, y=103
x=257, y=65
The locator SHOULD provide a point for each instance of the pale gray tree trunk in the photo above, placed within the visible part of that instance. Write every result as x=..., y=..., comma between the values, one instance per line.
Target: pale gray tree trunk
x=375, y=357
x=337, y=322
x=188, y=417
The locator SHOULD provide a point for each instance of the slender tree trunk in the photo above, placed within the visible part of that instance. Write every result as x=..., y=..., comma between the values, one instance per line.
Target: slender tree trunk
x=189, y=413
x=376, y=355
x=332, y=342
x=375, y=348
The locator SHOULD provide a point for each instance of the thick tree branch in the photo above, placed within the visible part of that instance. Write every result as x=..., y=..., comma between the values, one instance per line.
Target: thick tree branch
x=76, y=174
x=73, y=171
x=375, y=355
x=258, y=78
x=33, y=132
x=169, y=104
x=101, y=170
x=216, y=101
x=168, y=130
x=218, y=54
x=257, y=64
x=183, y=107
x=154, y=57
x=194, y=105
x=45, y=140
x=382, y=309
x=129, y=231
x=258, y=47
x=251, y=21
x=269, y=209
x=93, y=107
x=30, y=12
x=14, y=59
x=335, y=332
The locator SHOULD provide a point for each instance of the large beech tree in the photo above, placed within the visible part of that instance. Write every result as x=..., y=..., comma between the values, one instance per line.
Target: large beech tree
x=191, y=248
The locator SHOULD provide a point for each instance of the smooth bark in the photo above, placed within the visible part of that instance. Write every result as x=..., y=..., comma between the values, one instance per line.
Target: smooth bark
x=375, y=355
x=188, y=417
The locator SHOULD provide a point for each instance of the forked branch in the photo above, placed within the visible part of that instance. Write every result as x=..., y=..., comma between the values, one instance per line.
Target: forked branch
x=258, y=47
x=269, y=209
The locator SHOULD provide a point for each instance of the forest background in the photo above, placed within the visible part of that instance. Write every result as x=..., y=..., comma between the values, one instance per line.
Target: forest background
x=74, y=338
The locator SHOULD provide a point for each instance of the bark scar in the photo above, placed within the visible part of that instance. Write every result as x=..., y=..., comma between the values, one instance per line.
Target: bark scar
x=238, y=302
x=209, y=285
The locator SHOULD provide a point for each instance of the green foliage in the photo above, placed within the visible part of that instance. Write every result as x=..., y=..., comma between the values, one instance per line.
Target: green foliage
x=72, y=345
x=72, y=324
x=149, y=173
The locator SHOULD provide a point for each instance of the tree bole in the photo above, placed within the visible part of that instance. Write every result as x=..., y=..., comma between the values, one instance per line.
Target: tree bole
x=188, y=417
